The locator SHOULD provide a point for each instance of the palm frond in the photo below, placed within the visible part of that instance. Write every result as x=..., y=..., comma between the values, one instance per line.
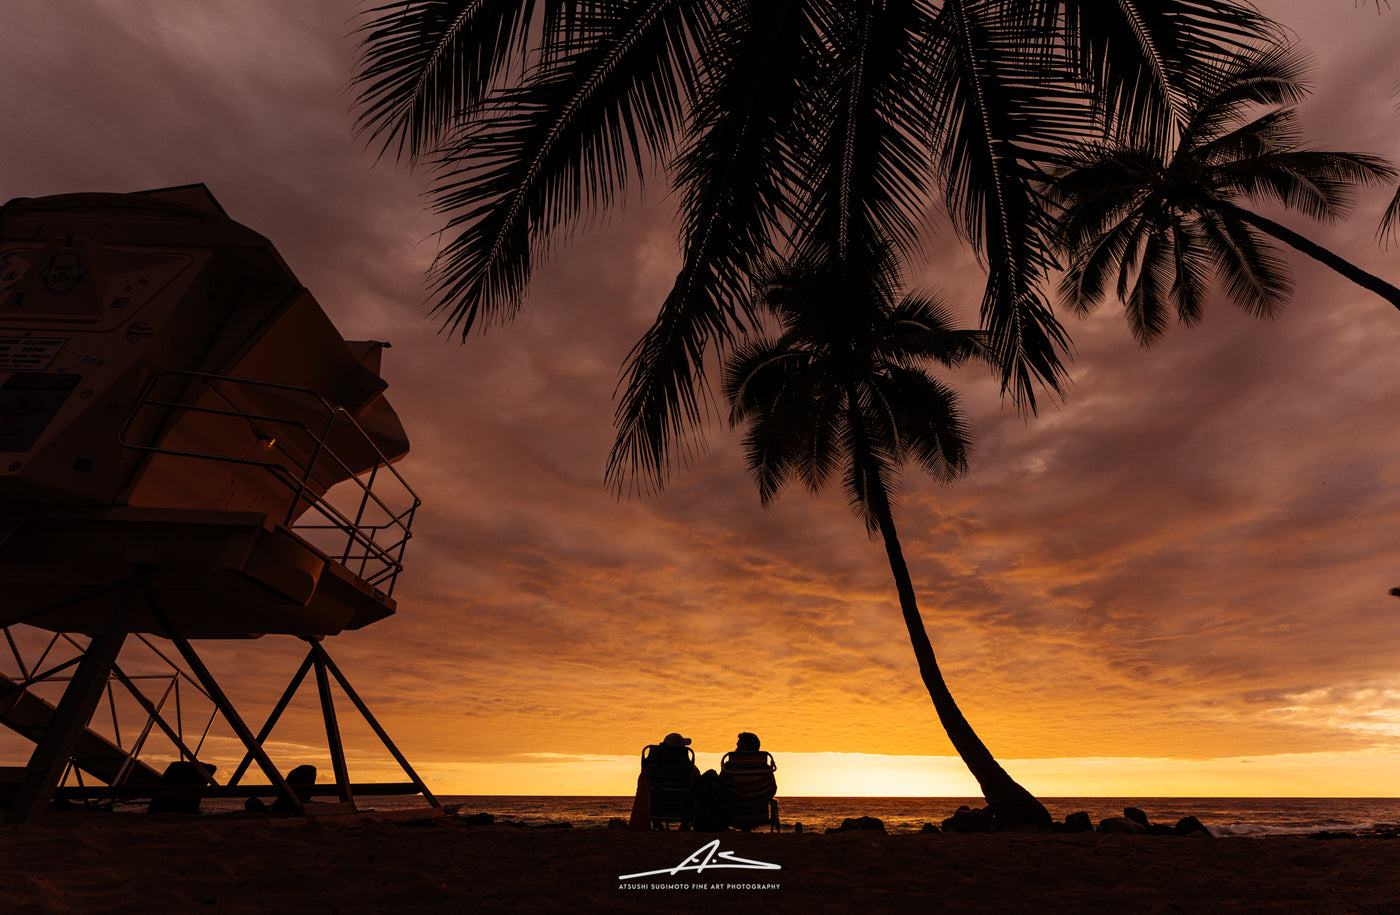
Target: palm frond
x=565, y=141
x=1145, y=58
x=779, y=391
x=1099, y=188
x=1390, y=221
x=921, y=327
x=1148, y=315
x=865, y=170
x=1316, y=182
x=660, y=407
x=816, y=417
x=757, y=373
x=1270, y=132
x=999, y=111
x=932, y=430
x=1143, y=229
x=421, y=66
x=1191, y=286
x=1273, y=75
x=871, y=473
x=736, y=178
x=1257, y=279
x=771, y=457
x=1085, y=284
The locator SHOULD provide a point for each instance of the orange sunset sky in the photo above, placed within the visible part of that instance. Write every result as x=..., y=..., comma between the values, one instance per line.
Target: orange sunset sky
x=1174, y=582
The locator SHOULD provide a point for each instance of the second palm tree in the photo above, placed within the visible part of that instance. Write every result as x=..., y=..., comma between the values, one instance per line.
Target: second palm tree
x=843, y=390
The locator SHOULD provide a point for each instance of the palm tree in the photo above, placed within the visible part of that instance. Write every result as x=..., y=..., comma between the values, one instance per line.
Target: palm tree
x=772, y=121
x=843, y=390
x=1162, y=224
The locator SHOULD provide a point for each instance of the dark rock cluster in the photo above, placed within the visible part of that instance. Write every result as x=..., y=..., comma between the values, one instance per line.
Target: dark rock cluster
x=1384, y=831
x=850, y=824
x=969, y=819
x=1132, y=822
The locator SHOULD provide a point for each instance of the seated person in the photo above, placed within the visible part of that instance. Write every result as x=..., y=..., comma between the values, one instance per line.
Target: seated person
x=666, y=786
x=747, y=772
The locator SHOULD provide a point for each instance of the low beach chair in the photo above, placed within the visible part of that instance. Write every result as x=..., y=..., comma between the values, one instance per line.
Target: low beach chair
x=671, y=784
x=751, y=785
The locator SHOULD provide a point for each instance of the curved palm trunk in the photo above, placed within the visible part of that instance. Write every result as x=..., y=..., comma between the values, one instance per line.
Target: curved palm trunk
x=1318, y=253
x=1009, y=803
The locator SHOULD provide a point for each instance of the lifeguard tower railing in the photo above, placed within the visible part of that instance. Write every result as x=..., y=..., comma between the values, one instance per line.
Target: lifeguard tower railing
x=312, y=442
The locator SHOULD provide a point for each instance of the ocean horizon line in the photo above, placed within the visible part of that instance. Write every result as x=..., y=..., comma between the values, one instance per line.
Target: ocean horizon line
x=1045, y=797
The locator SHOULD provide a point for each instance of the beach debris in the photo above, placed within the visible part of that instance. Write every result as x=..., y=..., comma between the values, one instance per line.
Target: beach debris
x=850, y=824
x=969, y=819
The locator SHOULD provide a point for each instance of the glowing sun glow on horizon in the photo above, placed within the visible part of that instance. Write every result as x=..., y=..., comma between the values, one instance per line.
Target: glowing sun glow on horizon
x=871, y=775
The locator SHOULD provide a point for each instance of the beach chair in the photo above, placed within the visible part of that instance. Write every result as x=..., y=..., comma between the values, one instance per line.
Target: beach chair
x=751, y=785
x=671, y=777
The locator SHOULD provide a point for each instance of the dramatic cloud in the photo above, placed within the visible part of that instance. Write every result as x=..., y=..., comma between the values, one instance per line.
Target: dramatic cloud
x=1187, y=559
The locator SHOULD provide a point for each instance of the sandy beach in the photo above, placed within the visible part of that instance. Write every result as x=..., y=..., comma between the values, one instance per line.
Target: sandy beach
x=138, y=863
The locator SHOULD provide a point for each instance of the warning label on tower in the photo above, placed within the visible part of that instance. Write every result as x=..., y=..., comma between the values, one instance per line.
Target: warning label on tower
x=28, y=354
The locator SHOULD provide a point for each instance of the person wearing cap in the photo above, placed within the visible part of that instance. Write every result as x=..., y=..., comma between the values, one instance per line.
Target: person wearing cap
x=671, y=752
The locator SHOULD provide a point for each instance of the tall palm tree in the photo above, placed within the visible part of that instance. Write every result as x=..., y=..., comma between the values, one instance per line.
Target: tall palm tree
x=772, y=120
x=843, y=390
x=1161, y=223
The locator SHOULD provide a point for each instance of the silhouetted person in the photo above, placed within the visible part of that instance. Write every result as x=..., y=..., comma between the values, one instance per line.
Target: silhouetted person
x=748, y=775
x=666, y=785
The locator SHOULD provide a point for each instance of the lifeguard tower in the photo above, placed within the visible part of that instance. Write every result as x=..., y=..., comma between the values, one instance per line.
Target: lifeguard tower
x=189, y=451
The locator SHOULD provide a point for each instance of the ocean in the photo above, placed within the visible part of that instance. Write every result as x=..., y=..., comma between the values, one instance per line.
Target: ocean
x=1237, y=816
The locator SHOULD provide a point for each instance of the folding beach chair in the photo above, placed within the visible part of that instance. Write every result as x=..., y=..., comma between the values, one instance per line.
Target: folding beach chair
x=671, y=785
x=748, y=777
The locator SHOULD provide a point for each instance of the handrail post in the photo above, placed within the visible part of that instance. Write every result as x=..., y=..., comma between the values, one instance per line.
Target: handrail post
x=362, y=541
